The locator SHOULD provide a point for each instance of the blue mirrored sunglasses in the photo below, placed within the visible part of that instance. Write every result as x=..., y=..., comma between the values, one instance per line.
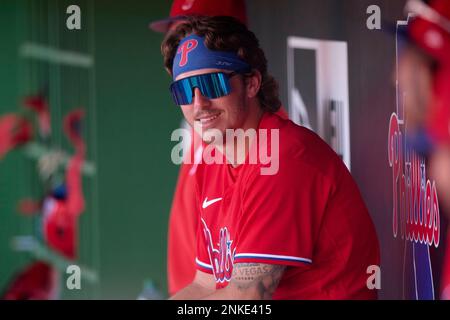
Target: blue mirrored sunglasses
x=211, y=85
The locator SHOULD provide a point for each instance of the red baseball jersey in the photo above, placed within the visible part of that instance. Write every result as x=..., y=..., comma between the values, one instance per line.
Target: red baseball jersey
x=308, y=216
x=183, y=222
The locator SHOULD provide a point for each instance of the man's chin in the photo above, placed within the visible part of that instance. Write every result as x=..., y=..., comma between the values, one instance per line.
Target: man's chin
x=213, y=136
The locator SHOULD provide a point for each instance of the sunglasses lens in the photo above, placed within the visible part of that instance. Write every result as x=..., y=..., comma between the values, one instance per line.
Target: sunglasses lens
x=181, y=92
x=214, y=85
x=211, y=85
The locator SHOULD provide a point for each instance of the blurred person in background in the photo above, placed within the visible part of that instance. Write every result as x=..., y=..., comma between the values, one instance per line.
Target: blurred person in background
x=424, y=71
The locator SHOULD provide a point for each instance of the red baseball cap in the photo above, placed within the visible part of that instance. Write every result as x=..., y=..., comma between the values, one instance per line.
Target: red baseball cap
x=183, y=8
x=431, y=27
x=430, y=30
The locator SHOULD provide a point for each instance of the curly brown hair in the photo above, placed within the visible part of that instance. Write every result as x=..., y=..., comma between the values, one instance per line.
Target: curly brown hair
x=226, y=34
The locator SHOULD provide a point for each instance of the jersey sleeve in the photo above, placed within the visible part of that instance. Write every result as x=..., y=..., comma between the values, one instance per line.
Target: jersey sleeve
x=202, y=260
x=281, y=215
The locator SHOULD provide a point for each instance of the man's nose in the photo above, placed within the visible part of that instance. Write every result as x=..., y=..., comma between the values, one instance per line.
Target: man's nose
x=199, y=100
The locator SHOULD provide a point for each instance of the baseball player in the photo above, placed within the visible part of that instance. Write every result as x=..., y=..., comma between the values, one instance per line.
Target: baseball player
x=183, y=216
x=300, y=233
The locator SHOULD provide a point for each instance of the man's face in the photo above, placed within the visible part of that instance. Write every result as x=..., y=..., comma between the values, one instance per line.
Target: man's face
x=227, y=112
x=415, y=79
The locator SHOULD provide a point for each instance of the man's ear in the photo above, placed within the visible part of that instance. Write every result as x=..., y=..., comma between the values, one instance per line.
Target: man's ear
x=253, y=83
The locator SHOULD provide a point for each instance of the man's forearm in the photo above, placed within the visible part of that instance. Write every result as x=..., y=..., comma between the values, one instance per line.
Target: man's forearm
x=193, y=291
x=252, y=281
x=197, y=292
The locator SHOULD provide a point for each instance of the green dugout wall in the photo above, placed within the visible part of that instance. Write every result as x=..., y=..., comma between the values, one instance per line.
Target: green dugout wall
x=114, y=70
